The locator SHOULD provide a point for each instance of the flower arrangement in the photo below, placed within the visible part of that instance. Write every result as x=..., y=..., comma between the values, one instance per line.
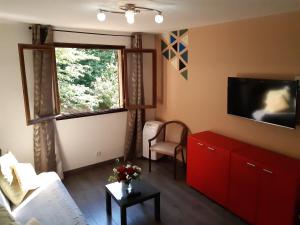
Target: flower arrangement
x=125, y=173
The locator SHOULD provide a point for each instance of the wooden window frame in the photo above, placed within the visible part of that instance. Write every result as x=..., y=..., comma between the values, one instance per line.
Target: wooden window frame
x=21, y=48
x=121, y=79
x=154, y=78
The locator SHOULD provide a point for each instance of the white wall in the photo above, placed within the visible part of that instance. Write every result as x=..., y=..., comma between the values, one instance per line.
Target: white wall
x=14, y=134
x=79, y=139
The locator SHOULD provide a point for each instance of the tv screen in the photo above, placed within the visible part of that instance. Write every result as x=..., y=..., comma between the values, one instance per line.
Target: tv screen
x=269, y=101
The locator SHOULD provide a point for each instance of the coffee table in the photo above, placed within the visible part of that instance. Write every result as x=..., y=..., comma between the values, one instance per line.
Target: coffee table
x=147, y=191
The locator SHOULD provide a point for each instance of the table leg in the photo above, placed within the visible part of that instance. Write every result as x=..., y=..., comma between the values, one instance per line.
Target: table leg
x=123, y=216
x=108, y=203
x=157, y=207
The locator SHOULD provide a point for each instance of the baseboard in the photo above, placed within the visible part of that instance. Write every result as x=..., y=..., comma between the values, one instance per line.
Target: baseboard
x=77, y=170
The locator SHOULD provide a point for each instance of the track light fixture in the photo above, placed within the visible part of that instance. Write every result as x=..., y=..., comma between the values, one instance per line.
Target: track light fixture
x=130, y=10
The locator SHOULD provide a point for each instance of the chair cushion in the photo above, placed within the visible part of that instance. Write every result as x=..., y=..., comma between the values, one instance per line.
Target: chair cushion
x=166, y=148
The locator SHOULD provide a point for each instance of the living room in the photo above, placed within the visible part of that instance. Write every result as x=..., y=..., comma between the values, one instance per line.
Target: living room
x=220, y=42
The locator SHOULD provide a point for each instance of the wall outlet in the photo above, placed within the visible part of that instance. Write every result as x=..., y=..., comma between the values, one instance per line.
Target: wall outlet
x=98, y=154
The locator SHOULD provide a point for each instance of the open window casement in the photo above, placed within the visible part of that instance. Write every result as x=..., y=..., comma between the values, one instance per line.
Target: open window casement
x=38, y=72
x=140, y=78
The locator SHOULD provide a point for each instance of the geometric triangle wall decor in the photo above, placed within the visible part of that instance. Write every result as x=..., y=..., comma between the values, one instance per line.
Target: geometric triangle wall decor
x=181, y=47
x=185, y=56
x=166, y=37
x=185, y=40
x=163, y=45
x=172, y=54
x=175, y=33
x=172, y=39
x=181, y=32
x=174, y=47
x=185, y=74
x=181, y=65
x=174, y=62
x=166, y=54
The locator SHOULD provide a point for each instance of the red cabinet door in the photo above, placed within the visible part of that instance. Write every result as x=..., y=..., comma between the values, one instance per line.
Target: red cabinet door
x=196, y=164
x=243, y=191
x=217, y=173
x=277, y=197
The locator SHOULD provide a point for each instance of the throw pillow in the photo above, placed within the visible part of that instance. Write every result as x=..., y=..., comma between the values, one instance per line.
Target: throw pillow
x=26, y=176
x=6, y=162
x=12, y=191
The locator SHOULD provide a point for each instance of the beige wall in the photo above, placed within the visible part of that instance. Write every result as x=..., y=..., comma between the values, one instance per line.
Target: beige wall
x=79, y=139
x=268, y=45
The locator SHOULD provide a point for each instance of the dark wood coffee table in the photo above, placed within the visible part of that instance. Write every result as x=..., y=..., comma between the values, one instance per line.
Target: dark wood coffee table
x=147, y=191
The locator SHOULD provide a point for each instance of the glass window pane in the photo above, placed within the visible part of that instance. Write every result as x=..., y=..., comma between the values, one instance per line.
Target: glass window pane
x=88, y=79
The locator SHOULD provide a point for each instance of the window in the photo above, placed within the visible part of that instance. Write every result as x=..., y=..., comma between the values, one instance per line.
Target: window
x=89, y=79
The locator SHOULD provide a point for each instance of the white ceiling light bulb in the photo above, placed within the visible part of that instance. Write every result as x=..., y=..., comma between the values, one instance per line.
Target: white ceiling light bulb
x=159, y=18
x=101, y=16
x=129, y=14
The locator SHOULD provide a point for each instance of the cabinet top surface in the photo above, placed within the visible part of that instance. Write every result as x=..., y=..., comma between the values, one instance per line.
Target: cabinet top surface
x=217, y=140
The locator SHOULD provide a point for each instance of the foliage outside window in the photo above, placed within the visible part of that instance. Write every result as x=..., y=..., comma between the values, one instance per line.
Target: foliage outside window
x=88, y=79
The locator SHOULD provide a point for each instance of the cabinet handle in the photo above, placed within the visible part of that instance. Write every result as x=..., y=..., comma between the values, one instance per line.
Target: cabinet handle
x=200, y=144
x=250, y=164
x=267, y=171
x=211, y=149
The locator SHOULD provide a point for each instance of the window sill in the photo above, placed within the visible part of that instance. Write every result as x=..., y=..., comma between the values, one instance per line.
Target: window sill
x=86, y=114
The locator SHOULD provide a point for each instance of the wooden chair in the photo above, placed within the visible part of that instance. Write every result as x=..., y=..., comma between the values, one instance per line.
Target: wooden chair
x=169, y=147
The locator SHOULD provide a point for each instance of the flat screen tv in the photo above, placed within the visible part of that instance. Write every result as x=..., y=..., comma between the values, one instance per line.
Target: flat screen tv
x=268, y=101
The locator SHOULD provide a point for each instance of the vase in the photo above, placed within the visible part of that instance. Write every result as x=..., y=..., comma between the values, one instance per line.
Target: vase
x=127, y=187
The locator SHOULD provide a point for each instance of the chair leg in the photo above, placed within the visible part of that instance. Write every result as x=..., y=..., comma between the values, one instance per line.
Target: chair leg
x=149, y=159
x=175, y=164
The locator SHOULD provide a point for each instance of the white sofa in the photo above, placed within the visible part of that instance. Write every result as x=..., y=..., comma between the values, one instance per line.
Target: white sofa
x=50, y=204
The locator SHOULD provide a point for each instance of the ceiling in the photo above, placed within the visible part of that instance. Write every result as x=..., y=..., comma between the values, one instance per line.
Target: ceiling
x=178, y=14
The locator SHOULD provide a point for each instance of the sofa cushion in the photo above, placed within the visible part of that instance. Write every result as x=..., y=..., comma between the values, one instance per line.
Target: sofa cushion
x=51, y=201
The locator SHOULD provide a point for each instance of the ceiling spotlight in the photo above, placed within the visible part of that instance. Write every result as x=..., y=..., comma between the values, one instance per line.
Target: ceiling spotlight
x=130, y=10
x=159, y=18
x=129, y=14
x=101, y=16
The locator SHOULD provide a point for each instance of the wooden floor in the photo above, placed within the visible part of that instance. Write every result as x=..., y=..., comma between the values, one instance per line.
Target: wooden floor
x=180, y=204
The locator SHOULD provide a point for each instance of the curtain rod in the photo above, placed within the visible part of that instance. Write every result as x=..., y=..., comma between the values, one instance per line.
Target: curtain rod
x=81, y=32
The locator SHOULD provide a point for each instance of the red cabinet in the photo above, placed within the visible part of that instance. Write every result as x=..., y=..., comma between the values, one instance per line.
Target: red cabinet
x=243, y=195
x=208, y=160
x=260, y=186
x=277, y=199
x=196, y=165
x=275, y=190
